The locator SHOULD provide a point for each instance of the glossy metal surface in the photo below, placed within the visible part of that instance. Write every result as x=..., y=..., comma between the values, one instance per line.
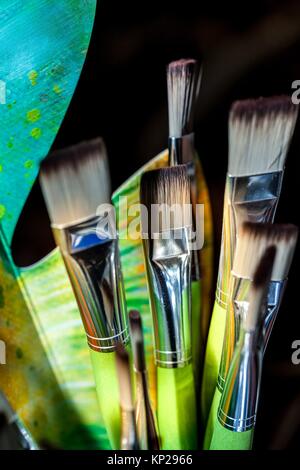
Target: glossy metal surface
x=92, y=259
x=248, y=198
x=275, y=294
x=169, y=274
x=238, y=405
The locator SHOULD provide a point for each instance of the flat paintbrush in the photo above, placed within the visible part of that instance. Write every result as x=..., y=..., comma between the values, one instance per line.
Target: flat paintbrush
x=166, y=230
x=76, y=187
x=145, y=420
x=238, y=406
x=253, y=239
x=260, y=132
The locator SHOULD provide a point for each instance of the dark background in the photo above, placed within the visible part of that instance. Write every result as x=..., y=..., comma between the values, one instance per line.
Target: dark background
x=248, y=50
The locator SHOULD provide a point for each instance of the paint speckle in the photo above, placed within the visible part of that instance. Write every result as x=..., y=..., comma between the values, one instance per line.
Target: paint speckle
x=2, y=211
x=10, y=144
x=33, y=115
x=28, y=164
x=19, y=353
x=35, y=423
x=57, y=89
x=1, y=168
x=36, y=133
x=33, y=75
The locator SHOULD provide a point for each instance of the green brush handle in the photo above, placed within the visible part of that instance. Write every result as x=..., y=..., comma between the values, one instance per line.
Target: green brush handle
x=176, y=412
x=212, y=359
x=107, y=387
x=196, y=330
x=224, y=439
x=212, y=419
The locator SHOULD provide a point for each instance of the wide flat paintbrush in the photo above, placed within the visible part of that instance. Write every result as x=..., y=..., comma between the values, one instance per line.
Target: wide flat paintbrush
x=238, y=407
x=253, y=239
x=166, y=230
x=260, y=132
x=145, y=420
x=76, y=186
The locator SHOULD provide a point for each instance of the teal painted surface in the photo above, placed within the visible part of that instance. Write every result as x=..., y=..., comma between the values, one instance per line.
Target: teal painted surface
x=43, y=45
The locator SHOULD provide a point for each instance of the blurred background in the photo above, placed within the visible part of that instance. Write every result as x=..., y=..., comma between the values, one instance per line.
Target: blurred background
x=247, y=50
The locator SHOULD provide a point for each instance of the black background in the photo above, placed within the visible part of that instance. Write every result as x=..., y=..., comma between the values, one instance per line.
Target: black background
x=248, y=50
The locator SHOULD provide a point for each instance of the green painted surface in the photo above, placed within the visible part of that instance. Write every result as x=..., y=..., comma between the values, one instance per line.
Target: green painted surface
x=48, y=376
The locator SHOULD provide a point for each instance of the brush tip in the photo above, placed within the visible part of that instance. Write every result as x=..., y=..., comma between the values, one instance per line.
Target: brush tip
x=123, y=371
x=136, y=329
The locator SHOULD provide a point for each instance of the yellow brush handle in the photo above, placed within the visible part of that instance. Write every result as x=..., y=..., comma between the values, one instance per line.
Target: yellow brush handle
x=212, y=359
x=107, y=387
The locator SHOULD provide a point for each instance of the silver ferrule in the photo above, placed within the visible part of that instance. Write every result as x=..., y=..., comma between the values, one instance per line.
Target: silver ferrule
x=168, y=260
x=247, y=199
x=181, y=149
x=275, y=295
x=236, y=310
x=92, y=260
x=238, y=405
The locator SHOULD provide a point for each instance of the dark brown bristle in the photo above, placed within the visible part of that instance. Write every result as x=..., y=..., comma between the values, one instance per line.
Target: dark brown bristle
x=166, y=188
x=245, y=109
x=263, y=271
x=278, y=232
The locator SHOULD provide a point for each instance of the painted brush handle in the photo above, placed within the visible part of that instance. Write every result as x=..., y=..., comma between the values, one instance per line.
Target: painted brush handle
x=107, y=388
x=224, y=439
x=196, y=331
x=177, y=408
x=212, y=419
x=212, y=359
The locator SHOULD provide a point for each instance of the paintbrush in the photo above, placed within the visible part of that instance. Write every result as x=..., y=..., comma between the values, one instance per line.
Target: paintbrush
x=238, y=406
x=145, y=420
x=166, y=227
x=260, y=132
x=76, y=187
x=183, y=83
x=252, y=240
x=129, y=438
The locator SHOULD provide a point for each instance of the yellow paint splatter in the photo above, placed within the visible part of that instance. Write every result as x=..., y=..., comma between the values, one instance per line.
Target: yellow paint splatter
x=36, y=133
x=28, y=164
x=2, y=211
x=33, y=75
x=57, y=89
x=33, y=115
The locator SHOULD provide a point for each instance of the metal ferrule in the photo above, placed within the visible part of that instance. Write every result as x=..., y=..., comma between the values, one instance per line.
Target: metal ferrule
x=181, y=149
x=169, y=275
x=236, y=311
x=238, y=405
x=275, y=295
x=92, y=260
x=247, y=198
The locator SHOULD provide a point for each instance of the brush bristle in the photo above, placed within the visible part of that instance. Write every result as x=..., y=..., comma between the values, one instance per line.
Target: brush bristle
x=259, y=288
x=123, y=372
x=253, y=239
x=183, y=79
x=75, y=181
x=168, y=188
x=260, y=131
x=137, y=340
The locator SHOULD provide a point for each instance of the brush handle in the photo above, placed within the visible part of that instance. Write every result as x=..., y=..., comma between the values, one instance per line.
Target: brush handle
x=212, y=419
x=107, y=388
x=212, y=359
x=177, y=421
x=224, y=439
x=197, y=342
